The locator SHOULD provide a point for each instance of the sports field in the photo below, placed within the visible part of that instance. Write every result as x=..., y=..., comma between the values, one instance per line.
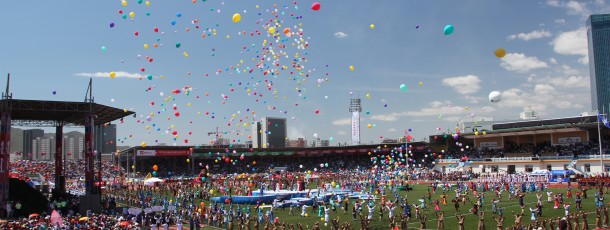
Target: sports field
x=470, y=221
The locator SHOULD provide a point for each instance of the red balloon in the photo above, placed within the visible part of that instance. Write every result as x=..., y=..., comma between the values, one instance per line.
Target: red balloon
x=315, y=6
x=136, y=33
x=177, y=114
x=156, y=30
x=175, y=132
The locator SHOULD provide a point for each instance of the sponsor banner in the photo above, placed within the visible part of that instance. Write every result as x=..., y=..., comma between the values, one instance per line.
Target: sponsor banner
x=173, y=153
x=489, y=144
x=146, y=153
x=163, y=153
x=568, y=140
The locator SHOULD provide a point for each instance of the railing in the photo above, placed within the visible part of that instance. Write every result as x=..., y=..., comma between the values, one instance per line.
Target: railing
x=504, y=159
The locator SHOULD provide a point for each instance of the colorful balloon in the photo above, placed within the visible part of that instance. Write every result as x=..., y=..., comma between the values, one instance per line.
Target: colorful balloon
x=500, y=53
x=315, y=6
x=403, y=87
x=112, y=75
x=236, y=17
x=495, y=96
x=448, y=29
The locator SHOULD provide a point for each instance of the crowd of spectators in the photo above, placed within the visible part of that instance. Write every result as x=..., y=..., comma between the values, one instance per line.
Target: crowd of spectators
x=528, y=149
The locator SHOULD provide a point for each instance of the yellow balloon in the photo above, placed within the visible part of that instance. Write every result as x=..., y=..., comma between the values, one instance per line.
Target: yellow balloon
x=188, y=160
x=143, y=144
x=421, y=83
x=368, y=96
x=133, y=167
x=372, y=26
x=112, y=75
x=370, y=126
x=272, y=30
x=500, y=53
x=147, y=3
x=124, y=3
x=132, y=14
x=236, y=17
x=351, y=67
x=145, y=46
x=211, y=191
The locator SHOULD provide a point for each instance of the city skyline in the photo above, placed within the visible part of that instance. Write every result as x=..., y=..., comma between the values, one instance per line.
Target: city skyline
x=187, y=68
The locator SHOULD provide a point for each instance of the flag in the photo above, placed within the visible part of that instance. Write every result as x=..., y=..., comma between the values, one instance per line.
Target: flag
x=56, y=219
x=603, y=120
x=148, y=176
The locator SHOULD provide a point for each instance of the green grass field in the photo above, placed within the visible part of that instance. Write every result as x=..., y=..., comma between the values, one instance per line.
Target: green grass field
x=471, y=221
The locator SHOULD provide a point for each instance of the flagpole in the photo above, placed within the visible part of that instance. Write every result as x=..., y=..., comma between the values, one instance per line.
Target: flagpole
x=599, y=138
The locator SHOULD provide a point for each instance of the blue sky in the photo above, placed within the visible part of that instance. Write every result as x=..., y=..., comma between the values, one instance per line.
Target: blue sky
x=58, y=45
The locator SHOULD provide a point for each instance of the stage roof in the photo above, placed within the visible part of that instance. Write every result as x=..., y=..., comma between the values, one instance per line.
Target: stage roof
x=52, y=113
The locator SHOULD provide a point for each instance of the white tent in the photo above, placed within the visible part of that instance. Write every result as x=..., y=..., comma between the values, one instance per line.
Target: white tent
x=151, y=181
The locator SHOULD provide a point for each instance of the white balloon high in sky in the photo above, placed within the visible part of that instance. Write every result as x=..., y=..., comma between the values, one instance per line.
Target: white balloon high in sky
x=495, y=96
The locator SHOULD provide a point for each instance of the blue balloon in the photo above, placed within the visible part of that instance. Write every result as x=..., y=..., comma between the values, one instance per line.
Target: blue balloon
x=448, y=29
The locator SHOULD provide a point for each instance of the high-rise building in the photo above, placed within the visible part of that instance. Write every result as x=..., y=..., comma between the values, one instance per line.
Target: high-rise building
x=274, y=132
x=29, y=135
x=73, y=147
x=298, y=143
x=598, y=35
x=43, y=148
x=256, y=135
x=105, y=138
x=320, y=143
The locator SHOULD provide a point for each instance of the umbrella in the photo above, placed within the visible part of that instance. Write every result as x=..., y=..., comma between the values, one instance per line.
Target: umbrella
x=83, y=218
x=33, y=215
x=124, y=223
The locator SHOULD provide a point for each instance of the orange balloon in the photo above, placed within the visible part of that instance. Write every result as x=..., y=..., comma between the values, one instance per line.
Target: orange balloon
x=155, y=167
x=287, y=30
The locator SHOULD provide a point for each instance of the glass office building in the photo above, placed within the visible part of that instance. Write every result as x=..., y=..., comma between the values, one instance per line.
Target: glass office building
x=598, y=35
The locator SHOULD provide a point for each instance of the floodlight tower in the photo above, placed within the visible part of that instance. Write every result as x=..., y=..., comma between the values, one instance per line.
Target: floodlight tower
x=355, y=107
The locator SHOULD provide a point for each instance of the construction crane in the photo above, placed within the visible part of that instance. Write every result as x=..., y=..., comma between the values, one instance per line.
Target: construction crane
x=216, y=139
x=217, y=135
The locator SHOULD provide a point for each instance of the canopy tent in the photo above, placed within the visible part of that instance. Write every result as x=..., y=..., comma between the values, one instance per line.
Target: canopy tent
x=540, y=173
x=151, y=181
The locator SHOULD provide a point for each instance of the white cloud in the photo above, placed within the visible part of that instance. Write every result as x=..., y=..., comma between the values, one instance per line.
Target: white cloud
x=119, y=74
x=341, y=35
x=294, y=133
x=346, y=121
x=536, y=34
x=386, y=117
x=518, y=62
x=553, y=61
x=543, y=98
x=342, y=133
x=572, y=7
x=573, y=43
x=571, y=82
x=560, y=21
x=392, y=130
x=464, y=84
